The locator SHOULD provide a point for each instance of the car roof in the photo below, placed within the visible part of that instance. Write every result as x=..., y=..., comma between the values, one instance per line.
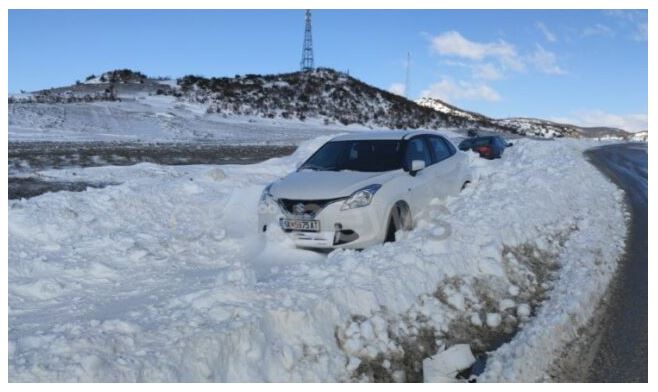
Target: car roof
x=380, y=135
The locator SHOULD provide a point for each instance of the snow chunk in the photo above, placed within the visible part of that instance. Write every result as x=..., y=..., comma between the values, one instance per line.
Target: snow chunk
x=523, y=310
x=476, y=320
x=506, y=304
x=444, y=366
x=493, y=320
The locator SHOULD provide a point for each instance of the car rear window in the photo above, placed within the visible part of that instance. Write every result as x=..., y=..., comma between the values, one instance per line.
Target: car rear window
x=482, y=141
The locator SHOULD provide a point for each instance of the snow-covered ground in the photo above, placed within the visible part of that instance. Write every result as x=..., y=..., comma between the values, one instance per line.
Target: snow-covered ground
x=165, y=278
x=148, y=118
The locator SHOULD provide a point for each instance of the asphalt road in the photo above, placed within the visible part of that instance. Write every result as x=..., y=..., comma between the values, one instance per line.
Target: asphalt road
x=620, y=347
x=26, y=159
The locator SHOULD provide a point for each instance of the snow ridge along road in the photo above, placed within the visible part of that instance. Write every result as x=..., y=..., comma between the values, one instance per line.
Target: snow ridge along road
x=165, y=278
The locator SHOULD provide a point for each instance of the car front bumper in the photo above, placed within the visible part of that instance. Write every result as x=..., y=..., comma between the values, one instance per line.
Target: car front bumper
x=355, y=228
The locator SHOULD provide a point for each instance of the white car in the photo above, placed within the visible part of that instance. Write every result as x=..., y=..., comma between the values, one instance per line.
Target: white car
x=360, y=189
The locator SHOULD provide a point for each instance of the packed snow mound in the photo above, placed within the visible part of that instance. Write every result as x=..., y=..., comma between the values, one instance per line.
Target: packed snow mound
x=165, y=277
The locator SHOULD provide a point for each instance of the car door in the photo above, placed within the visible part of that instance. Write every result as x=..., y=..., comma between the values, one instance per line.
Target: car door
x=420, y=185
x=445, y=167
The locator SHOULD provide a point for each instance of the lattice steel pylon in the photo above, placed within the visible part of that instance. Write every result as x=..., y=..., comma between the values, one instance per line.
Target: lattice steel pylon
x=307, y=52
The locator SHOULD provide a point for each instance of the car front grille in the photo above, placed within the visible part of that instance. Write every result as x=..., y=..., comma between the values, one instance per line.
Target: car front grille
x=305, y=207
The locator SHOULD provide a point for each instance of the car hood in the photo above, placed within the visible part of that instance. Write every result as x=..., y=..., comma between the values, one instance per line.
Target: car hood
x=319, y=185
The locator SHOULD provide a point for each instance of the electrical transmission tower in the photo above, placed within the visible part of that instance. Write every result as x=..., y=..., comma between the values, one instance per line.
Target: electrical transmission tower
x=307, y=52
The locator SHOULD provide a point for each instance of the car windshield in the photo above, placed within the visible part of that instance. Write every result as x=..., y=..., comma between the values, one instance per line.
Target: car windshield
x=357, y=155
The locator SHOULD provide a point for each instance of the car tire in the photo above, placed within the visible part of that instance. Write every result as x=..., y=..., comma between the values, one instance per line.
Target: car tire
x=390, y=231
x=399, y=219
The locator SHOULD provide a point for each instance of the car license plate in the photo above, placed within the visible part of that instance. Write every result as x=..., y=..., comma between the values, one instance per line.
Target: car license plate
x=300, y=225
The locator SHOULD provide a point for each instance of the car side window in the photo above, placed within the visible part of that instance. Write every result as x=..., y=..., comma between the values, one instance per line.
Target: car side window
x=451, y=147
x=417, y=151
x=440, y=148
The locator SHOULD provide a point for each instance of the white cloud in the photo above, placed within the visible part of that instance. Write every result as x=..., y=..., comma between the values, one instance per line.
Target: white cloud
x=481, y=71
x=451, y=91
x=599, y=118
x=641, y=32
x=397, y=88
x=634, y=20
x=548, y=34
x=452, y=43
x=487, y=71
x=504, y=56
x=597, y=30
x=545, y=61
x=487, y=61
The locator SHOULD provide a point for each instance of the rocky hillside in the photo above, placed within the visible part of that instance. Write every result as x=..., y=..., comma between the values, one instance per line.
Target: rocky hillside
x=334, y=97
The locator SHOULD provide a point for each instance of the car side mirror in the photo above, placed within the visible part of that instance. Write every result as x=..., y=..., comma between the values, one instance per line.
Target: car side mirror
x=416, y=166
x=510, y=144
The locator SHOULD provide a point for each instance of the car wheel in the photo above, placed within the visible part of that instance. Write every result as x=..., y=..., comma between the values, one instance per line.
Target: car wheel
x=399, y=219
x=464, y=185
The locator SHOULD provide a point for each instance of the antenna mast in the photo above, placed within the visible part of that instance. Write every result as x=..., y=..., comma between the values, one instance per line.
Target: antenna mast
x=406, y=78
x=307, y=52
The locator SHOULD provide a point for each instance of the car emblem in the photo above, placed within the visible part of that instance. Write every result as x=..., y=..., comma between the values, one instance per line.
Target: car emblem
x=299, y=208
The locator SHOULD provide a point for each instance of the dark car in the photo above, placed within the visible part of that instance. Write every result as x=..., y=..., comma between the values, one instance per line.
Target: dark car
x=489, y=147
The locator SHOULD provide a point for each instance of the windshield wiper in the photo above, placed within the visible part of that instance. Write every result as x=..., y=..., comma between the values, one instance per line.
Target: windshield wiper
x=311, y=167
x=320, y=168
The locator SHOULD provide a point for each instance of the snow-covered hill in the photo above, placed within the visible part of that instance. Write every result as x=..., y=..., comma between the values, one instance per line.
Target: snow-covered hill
x=642, y=136
x=527, y=126
x=129, y=104
x=540, y=128
x=521, y=126
x=451, y=110
x=176, y=284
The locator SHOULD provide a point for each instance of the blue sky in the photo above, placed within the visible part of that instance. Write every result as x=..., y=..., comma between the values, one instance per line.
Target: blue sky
x=589, y=67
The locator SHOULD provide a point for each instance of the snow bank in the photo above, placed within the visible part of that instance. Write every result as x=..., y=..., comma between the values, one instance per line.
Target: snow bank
x=165, y=278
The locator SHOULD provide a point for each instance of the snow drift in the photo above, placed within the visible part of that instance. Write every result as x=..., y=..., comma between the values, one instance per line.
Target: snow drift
x=165, y=278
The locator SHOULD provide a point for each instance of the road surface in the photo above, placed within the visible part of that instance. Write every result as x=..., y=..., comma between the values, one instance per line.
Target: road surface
x=620, y=349
x=26, y=159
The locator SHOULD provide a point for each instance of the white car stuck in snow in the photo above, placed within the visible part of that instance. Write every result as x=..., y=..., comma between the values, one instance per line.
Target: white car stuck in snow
x=358, y=190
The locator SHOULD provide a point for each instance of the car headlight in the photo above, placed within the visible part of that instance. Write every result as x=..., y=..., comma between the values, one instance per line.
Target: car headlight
x=361, y=198
x=266, y=197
